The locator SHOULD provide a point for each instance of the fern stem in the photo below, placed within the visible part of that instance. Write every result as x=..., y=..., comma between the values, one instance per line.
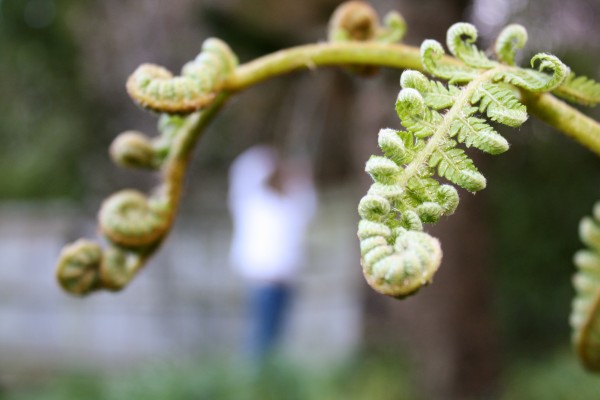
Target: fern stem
x=546, y=107
x=174, y=169
x=325, y=54
x=565, y=118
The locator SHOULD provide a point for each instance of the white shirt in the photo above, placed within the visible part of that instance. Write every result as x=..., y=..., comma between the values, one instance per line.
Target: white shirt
x=269, y=226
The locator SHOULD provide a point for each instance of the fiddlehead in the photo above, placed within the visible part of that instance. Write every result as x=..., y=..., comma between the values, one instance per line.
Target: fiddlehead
x=585, y=314
x=135, y=224
x=353, y=20
x=84, y=267
x=132, y=149
x=358, y=21
x=78, y=267
x=396, y=256
x=512, y=38
x=155, y=88
x=119, y=265
x=130, y=219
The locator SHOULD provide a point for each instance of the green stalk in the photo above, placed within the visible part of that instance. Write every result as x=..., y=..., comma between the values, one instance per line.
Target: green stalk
x=565, y=119
x=546, y=107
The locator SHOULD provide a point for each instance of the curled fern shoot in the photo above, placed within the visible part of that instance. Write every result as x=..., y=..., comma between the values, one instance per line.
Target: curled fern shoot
x=84, y=267
x=397, y=257
x=512, y=38
x=358, y=21
x=155, y=88
x=130, y=219
x=133, y=224
x=78, y=267
x=132, y=149
x=585, y=314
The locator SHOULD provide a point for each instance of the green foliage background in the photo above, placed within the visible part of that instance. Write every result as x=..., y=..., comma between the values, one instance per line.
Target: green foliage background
x=47, y=116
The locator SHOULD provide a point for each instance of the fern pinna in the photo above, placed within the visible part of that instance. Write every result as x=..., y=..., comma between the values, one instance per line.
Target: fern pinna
x=397, y=257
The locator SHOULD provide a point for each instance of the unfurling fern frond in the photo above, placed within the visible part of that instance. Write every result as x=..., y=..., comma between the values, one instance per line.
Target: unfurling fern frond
x=396, y=256
x=134, y=227
x=79, y=267
x=510, y=40
x=155, y=88
x=133, y=224
x=358, y=21
x=132, y=149
x=129, y=219
x=84, y=267
x=585, y=314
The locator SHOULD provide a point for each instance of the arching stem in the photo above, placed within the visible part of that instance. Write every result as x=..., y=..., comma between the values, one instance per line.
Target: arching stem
x=548, y=108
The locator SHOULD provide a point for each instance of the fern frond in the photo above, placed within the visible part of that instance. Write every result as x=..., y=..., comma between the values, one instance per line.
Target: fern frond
x=585, y=314
x=460, y=39
x=453, y=164
x=437, y=117
x=476, y=132
x=500, y=104
x=435, y=94
x=132, y=149
x=536, y=80
x=397, y=262
x=393, y=29
x=78, y=267
x=358, y=21
x=512, y=38
x=579, y=89
x=405, y=195
x=155, y=88
x=128, y=218
x=431, y=55
x=416, y=117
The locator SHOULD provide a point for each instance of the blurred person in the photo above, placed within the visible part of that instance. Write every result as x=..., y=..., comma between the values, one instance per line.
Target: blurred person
x=271, y=201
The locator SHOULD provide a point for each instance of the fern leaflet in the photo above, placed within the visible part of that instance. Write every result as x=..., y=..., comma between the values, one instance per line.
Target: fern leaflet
x=579, y=89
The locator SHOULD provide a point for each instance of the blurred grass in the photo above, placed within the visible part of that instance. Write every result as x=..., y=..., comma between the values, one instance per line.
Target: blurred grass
x=379, y=376
x=555, y=377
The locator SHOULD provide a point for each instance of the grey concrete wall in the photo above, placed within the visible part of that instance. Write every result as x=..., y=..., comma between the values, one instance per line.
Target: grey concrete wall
x=186, y=303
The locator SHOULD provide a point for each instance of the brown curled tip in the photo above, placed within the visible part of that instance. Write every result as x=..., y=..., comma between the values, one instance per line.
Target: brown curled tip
x=357, y=19
x=155, y=88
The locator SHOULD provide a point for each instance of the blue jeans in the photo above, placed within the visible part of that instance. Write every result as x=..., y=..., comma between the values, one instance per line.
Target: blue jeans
x=268, y=306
